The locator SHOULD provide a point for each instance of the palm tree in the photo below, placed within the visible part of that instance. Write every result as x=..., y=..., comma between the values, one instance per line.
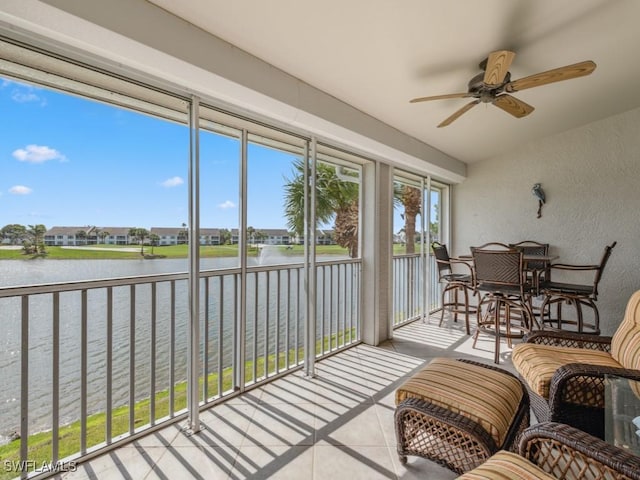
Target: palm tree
x=183, y=235
x=153, y=239
x=103, y=235
x=251, y=235
x=142, y=234
x=411, y=200
x=82, y=236
x=225, y=236
x=259, y=236
x=336, y=200
x=36, y=235
x=132, y=234
x=138, y=235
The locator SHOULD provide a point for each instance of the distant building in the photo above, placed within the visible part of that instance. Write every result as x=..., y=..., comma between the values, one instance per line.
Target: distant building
x=323, y=237
x=271, y=236
x=59, y=236
x=114, y=235
x=87, y=235
x=169, y=235
x=91, y=235
x=210, y=236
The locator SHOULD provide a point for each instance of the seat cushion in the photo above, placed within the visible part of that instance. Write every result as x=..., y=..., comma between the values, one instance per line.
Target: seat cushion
x=536, y=364
x=488, y=397
x=556, y=288
x=507, y=466
x=625, y=344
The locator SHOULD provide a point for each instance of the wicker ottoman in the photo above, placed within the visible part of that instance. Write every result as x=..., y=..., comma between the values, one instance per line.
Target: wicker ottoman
x=458, y=413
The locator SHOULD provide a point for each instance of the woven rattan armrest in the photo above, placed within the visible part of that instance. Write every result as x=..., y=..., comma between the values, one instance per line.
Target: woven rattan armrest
x=566, y=266
x=458, y=261
x=583, y=383
x=584, y=456
x=569, y=339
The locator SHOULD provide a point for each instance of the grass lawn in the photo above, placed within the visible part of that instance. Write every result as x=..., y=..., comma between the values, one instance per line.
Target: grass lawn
x=40, y=444
x=123, y=252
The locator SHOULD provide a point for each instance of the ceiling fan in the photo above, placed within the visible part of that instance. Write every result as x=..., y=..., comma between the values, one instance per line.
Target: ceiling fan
x=493, y=85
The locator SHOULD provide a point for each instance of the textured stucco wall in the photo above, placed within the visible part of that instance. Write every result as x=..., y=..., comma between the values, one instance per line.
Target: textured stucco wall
x=591, y=178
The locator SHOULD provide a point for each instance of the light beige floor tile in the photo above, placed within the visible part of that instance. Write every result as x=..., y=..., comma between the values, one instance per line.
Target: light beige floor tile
x=385, y=414
x=124, y=463
x=356, y=426
x=222, y=425
x=418, y=468
x=336, y=425
x=291, y=389
x=354, y=384
x=352, y=462
x=194, y=463
x=332, y=389
x=160, y=438
x=282, y=425
x=274, y=463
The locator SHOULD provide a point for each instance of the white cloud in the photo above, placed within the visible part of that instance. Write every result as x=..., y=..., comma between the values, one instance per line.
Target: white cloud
x=227, y=204
x=23, y=93
x=38, y=154
x=20, y=190
x=24, y=97
x=172, y=182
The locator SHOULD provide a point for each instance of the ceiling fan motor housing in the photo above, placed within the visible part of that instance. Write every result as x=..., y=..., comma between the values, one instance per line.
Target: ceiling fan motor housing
x=486, y=93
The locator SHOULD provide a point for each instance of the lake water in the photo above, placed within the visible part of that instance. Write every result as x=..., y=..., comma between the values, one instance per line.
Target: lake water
x=42, y=271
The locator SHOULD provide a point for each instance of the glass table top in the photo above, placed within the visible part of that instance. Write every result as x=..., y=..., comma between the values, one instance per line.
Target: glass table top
x=622, y=413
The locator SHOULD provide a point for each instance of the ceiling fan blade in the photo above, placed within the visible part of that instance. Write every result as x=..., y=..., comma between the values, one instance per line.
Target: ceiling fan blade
x=440, y=97
x=458, y=113
x=498, y=65
x=556, y=75
x=512, y=105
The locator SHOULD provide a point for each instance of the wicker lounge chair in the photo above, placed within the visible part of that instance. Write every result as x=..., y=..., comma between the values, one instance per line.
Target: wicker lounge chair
x=565, y=371
x=558, y=451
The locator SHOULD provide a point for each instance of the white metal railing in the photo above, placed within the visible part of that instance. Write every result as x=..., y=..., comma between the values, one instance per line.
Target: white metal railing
x=408, y=288
x=106, y=360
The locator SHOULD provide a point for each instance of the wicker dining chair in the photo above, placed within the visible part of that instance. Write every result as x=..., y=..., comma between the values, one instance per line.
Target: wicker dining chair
x=458, y=287
x=504, y=309
x=577, y=294
x=537, y=272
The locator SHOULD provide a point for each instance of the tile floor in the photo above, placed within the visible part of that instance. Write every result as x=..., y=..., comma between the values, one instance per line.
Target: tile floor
x=338, y=425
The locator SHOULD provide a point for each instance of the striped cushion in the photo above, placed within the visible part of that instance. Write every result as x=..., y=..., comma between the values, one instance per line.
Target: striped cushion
x=625, y=344
x=537, y=363
x=507, y=466
x=488, y=397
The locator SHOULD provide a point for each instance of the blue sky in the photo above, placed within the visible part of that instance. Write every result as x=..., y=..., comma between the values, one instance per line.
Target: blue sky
x=69, y=161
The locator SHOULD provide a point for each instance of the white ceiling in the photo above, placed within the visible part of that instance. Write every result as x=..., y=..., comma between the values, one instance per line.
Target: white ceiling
x=378, y=54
